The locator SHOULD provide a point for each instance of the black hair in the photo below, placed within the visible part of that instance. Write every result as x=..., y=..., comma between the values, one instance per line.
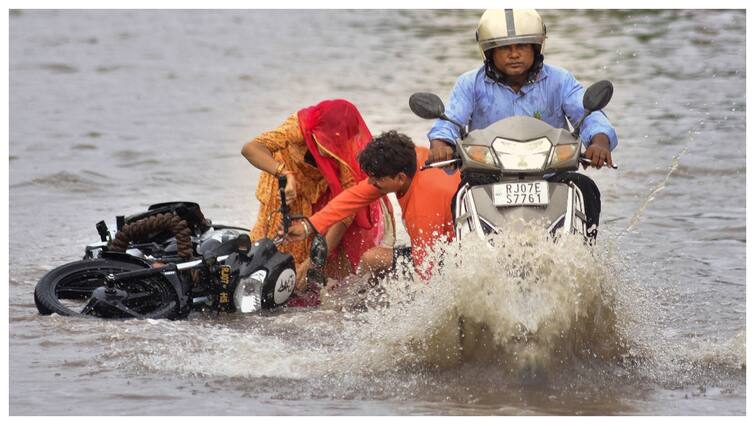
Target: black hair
x=494, y=74
x=388, y=154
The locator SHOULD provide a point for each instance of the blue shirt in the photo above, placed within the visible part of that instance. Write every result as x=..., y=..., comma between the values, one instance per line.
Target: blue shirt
x=478, y=101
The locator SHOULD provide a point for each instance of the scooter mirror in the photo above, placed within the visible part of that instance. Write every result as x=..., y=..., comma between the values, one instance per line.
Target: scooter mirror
x=318, y=254
x=597, y=96
x=426, y=105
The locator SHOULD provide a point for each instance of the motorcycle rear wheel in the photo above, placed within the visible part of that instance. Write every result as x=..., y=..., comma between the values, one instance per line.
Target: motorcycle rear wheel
x=69, y=291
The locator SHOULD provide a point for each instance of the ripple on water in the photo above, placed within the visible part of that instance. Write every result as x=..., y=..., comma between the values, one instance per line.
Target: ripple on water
x=66, y=182
x=128, y=154
x=83, y=147
x=135, y=164
x=59, y=68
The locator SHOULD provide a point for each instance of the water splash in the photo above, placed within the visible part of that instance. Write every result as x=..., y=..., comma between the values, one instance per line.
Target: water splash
x=653, y=192
x=532, y=303
x=528, y=305
x=730, y=354
x=527, y=310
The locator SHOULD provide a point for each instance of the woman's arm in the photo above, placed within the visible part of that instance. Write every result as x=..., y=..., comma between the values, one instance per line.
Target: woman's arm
x=260, y=156
x=259, y=151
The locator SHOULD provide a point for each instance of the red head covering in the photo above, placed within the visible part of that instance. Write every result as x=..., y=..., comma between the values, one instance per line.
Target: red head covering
x=337, y=128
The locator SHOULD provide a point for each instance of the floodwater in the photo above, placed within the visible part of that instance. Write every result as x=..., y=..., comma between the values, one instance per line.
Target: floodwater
x=111, y=111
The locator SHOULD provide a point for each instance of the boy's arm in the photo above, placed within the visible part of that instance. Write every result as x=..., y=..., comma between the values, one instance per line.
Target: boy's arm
x=345, y=204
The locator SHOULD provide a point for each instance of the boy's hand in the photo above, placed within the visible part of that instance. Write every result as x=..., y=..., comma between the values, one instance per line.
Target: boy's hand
x=296, y=232
x=301, y=275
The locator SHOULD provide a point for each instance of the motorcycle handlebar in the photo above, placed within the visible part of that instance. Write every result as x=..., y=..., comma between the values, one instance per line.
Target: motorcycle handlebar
x=286, y=218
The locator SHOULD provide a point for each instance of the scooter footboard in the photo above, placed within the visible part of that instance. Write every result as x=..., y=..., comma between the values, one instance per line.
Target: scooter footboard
x=479, y=210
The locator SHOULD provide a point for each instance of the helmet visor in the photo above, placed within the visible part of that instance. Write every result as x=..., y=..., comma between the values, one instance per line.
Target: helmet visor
x=492, y=43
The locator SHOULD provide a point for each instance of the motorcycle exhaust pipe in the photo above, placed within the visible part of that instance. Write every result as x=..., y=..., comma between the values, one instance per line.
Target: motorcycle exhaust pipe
x=141, y=273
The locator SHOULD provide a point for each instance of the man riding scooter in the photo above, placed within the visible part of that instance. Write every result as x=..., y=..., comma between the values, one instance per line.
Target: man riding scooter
x=514, y=81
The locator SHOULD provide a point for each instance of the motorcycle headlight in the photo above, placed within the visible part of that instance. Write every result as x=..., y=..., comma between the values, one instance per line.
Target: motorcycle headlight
x=480, y=153
x=562, y=153
x=516, y=155
x=248, y=294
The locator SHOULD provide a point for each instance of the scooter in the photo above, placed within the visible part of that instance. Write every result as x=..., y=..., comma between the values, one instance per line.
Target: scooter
x=171, y=260
x=512, y=171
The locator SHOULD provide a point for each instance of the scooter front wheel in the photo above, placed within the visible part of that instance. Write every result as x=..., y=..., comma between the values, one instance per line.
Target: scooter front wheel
x=80, y=289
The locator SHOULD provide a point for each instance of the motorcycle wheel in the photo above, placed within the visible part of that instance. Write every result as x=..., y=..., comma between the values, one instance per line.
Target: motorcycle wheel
x=69, y=290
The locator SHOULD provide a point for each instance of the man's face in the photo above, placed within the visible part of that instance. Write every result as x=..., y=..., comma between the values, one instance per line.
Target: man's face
x=388, y=184
x=514, y=60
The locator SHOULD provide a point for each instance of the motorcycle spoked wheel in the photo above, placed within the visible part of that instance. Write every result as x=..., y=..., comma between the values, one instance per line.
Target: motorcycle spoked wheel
x=69, y=291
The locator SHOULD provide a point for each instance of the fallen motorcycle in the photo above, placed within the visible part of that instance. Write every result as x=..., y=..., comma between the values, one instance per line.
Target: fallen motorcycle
x=170, y=260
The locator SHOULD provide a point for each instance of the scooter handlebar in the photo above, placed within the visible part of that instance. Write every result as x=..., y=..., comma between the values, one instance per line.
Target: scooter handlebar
x=440, y=164
x=455, y=161
x=586, y=161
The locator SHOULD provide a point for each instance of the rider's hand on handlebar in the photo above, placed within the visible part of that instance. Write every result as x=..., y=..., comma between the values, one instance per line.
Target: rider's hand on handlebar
x=440, y=151
x=598, y=152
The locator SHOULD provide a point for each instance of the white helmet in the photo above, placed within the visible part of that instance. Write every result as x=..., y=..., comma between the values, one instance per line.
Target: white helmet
x=501, y=27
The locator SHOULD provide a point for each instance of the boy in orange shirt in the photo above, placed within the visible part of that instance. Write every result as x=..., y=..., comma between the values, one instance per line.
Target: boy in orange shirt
x=392, y=164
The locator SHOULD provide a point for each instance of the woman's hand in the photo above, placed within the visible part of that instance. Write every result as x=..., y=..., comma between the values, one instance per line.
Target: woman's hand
x=296, y=232
x=290, y=186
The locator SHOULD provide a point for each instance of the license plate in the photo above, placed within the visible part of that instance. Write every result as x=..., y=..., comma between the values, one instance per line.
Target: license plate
x=520, y=194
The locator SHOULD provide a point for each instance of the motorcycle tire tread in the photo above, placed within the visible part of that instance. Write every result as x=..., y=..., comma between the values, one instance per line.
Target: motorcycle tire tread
x=44, y=293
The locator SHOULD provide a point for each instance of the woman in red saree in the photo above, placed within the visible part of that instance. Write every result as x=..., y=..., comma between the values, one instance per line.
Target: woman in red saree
x=317, y=148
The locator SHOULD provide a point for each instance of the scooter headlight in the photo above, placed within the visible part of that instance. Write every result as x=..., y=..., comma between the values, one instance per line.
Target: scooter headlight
x=523, y=156
x=480, y=153
x=248, y=294
x=563, y=153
